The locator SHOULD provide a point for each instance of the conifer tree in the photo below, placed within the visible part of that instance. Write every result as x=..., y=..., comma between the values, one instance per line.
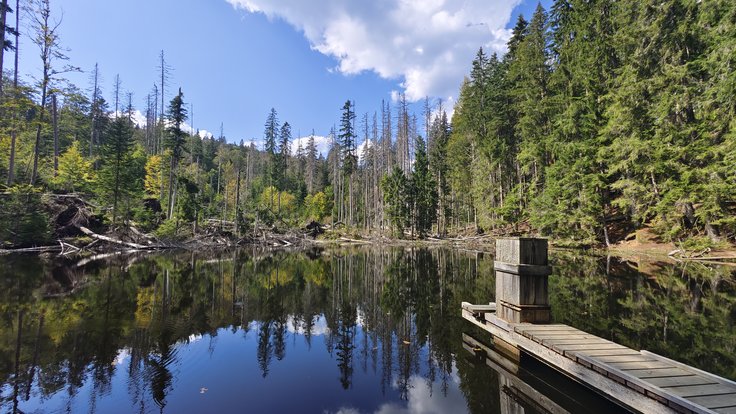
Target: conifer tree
x=270, y=136
x=175, y=143
x=423, y=191
x=117, y=176
x=396, y=197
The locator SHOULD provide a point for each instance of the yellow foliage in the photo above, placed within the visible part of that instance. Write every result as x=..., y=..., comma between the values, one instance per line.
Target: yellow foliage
x=75, y=172
x=271, y=198
x=316, y=205
x=153, y=179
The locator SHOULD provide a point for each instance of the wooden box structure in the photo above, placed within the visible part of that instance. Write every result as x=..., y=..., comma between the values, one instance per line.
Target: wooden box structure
x=522, y=273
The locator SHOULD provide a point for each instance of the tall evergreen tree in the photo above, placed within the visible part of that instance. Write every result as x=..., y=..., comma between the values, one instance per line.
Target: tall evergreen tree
x=270, y=137
x=423, y=191
x=529, y=72
x=440, y=133
x=311, y=164
x=176, y=143
x=117, y=176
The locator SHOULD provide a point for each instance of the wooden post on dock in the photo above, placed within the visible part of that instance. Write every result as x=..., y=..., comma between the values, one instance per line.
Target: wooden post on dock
x=521, y=280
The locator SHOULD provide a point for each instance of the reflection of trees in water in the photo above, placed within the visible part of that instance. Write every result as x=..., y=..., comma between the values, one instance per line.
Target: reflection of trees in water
x=380, y=307
x=686, y=311
x=389, y=311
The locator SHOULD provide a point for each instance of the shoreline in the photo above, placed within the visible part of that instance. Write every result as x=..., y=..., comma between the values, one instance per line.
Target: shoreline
x=635, y=250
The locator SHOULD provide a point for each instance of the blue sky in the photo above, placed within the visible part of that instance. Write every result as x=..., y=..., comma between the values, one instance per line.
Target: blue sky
x=235, y=59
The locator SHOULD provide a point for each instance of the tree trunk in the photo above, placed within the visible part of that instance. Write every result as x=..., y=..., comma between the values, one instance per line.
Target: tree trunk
x=171, y=187
x=17, y=45
x=94, y=114
x=13, y=133
x=37, y=145
x=11, y=162
x=237, y=204
x=3, y=15
x=55, y=115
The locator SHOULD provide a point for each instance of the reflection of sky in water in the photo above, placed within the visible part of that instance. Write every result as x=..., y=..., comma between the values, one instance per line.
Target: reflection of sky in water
x=221, y=374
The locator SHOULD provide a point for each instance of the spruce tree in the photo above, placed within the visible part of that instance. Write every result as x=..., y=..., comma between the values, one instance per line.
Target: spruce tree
x=175, y=143
x=347, y=138
x=270, y=136
x=423, y=191
x=117, y=178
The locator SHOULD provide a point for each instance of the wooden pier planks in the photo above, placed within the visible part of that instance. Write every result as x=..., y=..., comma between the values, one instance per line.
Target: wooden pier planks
x=675, y=386
x=662, y=379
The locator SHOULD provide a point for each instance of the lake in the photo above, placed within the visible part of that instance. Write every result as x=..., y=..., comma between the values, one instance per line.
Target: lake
x=344, y=330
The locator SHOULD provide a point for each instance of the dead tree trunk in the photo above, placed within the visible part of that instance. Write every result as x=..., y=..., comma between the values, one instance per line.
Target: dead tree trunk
x=55, y=115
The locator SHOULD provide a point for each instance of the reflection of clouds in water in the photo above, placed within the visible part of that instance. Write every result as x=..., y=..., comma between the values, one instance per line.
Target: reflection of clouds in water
x=344, y=410
x=420, y=400
x=123, y=354
x=319, y=327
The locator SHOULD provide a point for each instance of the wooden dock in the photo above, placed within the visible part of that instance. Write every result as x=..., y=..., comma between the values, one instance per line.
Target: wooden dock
x=638, y=380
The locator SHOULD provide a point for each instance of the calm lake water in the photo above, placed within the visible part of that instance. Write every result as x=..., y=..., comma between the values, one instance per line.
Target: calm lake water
x=360, y=330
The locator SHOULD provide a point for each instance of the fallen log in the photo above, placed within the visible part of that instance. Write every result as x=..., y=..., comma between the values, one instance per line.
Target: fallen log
x=94, y=235
x=40, y=249
x=345, y=239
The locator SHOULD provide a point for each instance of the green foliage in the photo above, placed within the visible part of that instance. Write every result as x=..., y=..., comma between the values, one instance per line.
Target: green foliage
x=423, y=189
x=175, y=135
x=119, y=177
x=169, y=230
x=396, y=196
x=317, y=206
x=602, y=109
x=75, y=172
x=23, y=220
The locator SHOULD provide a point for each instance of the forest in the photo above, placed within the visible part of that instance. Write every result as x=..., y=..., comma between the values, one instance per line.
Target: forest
x=603, y=117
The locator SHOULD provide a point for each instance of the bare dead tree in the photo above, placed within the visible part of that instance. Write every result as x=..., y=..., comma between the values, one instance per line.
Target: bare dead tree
x=165, y=71
x=46, y=37
x=93, y=110
x=14, y=132
x=55, y=117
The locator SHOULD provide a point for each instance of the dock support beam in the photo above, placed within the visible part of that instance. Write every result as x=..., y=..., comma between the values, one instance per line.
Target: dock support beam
x=522, y=273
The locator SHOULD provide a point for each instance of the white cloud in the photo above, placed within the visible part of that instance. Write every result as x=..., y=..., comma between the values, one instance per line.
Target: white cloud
x=427, y=45
x=321, y=142
x=139, y=119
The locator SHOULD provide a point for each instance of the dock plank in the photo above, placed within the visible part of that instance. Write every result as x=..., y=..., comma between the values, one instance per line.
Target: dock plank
x=658, y=373
x=551, y=326
x=605, y=352
x=715, y=401
x=626, y=366
x=589, y=343
x=624, y=358
x=687, y=380
x=589, y=347
x=700, y=390
x=726, y=410
x=564, y=336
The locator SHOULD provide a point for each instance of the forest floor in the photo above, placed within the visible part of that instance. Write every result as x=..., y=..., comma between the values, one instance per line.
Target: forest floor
x=646, y=243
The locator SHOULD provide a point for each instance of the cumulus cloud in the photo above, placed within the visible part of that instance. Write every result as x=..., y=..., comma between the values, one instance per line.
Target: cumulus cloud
x=139, y=120
x=321, y=142
x=427, y=45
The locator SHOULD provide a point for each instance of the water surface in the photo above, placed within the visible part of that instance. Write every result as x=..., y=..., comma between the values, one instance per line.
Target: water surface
x=360, y=330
